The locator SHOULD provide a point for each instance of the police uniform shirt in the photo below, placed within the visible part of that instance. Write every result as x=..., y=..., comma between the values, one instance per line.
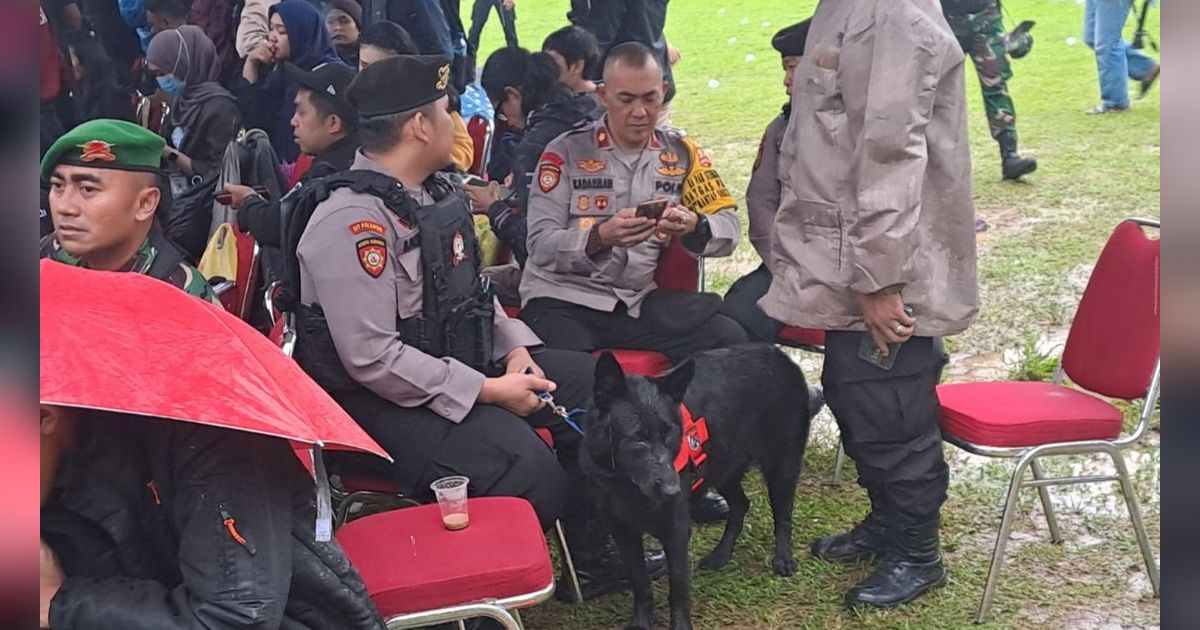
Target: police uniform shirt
x=354, y=264
x=765, y=189
x=583, y=179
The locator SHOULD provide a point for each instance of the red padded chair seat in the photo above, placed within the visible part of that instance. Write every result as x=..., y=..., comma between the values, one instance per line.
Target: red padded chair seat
x=1025, y=414
x=411, y=563
x=641, y=362
x=795, y=335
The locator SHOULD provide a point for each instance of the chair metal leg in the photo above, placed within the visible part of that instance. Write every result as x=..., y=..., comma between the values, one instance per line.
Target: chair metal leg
x=576, y=591
x=1006, y=521
x=839, y=462
x=1047, y=507
x=461, y=624
x=1135, y=515
x=517, y=616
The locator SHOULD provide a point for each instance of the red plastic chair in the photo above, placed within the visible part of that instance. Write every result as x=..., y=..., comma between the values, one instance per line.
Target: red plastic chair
x=481, y=129
x=237, y=296
x=418, y=573
x=1112, y=350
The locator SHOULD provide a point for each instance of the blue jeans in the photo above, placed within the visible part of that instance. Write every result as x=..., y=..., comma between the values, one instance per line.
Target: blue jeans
x=1116, y=62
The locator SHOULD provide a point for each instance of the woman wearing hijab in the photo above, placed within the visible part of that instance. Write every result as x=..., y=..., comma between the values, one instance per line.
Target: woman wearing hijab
x=204, y=115
x=267, y=97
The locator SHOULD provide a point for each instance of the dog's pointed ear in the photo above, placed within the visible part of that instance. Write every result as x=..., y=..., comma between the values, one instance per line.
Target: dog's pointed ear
x=610, y=379
x=676, y=382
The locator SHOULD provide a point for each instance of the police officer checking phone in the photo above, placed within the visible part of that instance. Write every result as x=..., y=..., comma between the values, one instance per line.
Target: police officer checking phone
x=396, y=324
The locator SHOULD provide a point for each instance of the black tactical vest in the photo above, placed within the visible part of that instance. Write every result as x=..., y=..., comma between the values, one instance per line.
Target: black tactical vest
x=457, y=311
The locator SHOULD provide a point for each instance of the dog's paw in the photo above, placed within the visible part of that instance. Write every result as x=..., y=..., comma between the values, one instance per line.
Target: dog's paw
x=784, y=566
x=714, y=561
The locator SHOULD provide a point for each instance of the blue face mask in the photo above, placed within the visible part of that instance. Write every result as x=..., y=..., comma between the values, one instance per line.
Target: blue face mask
x=170, y=85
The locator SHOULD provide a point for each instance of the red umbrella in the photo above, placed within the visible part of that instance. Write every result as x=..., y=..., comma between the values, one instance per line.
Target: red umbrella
x=128, y=343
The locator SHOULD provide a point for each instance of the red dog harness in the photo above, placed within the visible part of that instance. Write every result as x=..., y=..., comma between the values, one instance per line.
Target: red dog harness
x=691, y=446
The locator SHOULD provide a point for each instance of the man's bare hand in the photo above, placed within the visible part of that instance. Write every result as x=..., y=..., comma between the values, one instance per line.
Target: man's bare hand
x=626, y=229
x=677, y=221
x=482, y=197
x=886, y=321
x=519, y=360
x=509, y=4
x=516, y=393
x=238, y=195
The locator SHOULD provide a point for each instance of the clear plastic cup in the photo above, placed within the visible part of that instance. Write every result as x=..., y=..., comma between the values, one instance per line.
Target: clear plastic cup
x=451, y=495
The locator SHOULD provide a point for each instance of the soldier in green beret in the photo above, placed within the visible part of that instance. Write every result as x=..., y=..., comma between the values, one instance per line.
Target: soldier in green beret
x=104, y=195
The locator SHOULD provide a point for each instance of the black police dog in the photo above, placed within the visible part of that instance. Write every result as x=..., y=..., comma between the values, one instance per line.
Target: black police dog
x=757, y=407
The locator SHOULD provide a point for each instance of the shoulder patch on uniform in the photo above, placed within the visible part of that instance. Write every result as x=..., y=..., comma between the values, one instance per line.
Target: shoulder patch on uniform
x=550, y=157
x=548, y=176
x=592, y=166
x=372, y=255
x=358, y=227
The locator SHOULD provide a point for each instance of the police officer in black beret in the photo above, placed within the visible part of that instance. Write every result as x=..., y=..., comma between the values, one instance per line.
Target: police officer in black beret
x=762, y=200
x=396, y=323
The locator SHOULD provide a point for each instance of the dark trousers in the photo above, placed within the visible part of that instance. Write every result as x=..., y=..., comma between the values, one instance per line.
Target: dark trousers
x=479, y=16
x=497, y=450
x=741, y=304
x=889, y=425
x=569, y=326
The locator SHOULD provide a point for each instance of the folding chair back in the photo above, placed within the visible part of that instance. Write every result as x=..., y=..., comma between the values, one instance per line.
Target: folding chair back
x=1113, y=345
x=481, y=130
x=677, y=269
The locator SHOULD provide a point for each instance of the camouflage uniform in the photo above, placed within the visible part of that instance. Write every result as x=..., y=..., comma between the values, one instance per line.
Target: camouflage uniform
x=979, y=28
x=184, y=276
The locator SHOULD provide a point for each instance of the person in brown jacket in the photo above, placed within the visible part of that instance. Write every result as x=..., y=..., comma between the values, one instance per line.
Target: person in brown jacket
x=876, y=216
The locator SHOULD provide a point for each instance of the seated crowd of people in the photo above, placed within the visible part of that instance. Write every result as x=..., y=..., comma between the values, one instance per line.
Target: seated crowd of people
x=433, y=312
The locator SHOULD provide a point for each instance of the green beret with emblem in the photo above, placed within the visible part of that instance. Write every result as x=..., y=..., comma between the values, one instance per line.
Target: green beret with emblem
x=105, y=143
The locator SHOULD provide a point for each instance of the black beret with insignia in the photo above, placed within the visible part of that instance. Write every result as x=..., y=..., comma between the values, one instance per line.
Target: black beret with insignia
x=399, y=84
x=790, y=41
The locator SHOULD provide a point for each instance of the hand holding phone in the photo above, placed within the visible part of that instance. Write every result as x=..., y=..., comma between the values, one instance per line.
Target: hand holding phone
x=474, y=180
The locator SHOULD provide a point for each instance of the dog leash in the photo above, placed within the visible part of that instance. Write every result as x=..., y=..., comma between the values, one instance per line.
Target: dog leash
x=559, y=410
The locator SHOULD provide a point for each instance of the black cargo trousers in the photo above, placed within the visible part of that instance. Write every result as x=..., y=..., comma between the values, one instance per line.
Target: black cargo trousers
x=889, y=425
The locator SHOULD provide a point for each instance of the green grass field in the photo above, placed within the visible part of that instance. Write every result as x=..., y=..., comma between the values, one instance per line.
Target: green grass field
x=1044, y=235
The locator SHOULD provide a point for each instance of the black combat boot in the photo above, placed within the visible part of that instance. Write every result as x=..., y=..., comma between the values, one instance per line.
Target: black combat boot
x=864, y=543
x=601, y=570
x=709, y=507
x=1011, y=163
x=911, y=566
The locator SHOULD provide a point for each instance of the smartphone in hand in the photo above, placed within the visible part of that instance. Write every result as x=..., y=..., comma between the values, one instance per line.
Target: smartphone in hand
x=474, y=180
x=652, y=209
x=867, y=351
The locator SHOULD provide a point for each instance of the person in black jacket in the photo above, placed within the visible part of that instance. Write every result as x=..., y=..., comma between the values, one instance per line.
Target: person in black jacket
x=324, y=127
x=204, y=116
x=524, y=87
x=154, y=523
x=97, y=92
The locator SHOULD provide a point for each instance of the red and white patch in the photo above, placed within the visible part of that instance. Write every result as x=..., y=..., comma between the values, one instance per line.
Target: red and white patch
x=372, y=255
x=548, y=177
x=358, y=227
x=602, y=202
x=458, y=247
x=703, y=159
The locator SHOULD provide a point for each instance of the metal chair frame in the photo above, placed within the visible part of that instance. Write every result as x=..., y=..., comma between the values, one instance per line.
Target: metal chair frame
x=1027, y=458
x=505, y=611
